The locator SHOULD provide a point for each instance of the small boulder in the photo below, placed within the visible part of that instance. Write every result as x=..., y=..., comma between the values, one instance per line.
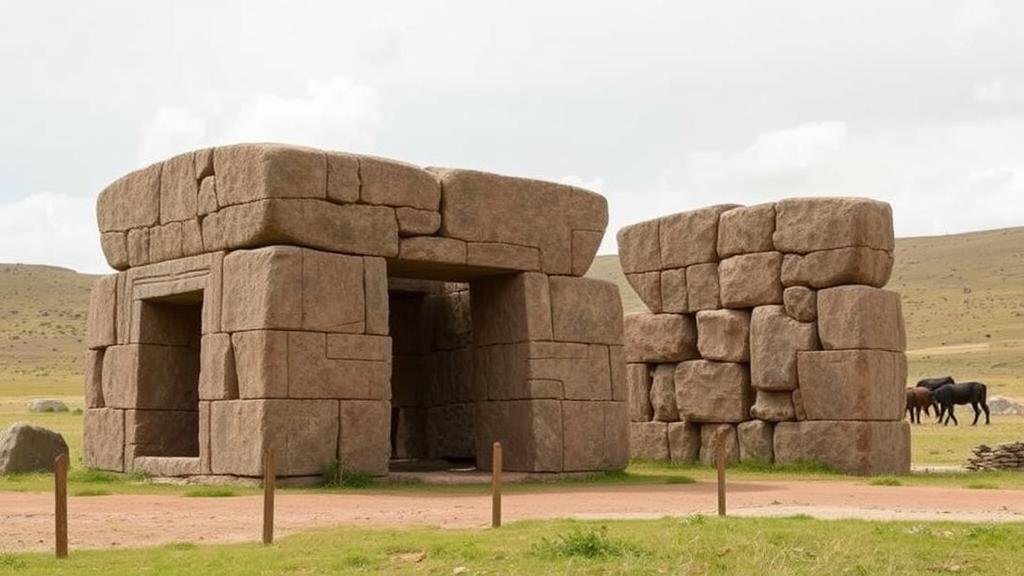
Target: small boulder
x=46, y=405
x=28, y=448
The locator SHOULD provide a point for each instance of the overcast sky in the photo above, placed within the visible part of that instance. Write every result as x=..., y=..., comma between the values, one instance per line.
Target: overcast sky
x=661, y=106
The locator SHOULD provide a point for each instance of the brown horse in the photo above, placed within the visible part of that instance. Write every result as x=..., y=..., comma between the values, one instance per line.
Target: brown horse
x=919, y=397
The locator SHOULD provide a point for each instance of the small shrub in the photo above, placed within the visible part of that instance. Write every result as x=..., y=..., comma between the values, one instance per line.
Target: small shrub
x=90, y=476
x=885, y=481
x=680, y=480
x=587, y=543
x=210, y=492
x=8, y=561
x=334, y=475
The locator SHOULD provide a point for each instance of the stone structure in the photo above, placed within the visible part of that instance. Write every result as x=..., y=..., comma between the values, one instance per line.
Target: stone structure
x=1006, y=456
x=29, y=448
x=768, y=330
x=341, y=307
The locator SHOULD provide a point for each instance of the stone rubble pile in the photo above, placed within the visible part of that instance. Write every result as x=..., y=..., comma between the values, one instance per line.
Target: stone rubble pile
x=1008, y=456
x=768, y=330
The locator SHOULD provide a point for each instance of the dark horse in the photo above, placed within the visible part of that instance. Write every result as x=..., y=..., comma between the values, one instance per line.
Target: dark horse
x=973, y=393
x=935, y=383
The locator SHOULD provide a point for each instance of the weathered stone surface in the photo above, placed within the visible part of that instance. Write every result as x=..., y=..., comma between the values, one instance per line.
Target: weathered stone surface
x=798, y=405
x=115, y=249
x=217, y=376
x=342, y=177
x=498, y=255
x=375, y=285
x=746, y=230
x=364, y=441
x=165, y=242
x=851, y=447
x=433, y=249
x=714, y=435
x=724, y=335
x=103, y=439
x=617, y=361
x=261, y=363
x=775, y=338
x=663, y=393
x=332, y=292
x=191, y=238
x=647, y=286
x=851, y=317
x=616, y=436
x=530, y=432
x=826, y=268
x=511, y=309
x=702, y=289
x=584, y=248
x=690, y=237
x=206, y=199
x=359, y=347
x=713, y=391
x=203, y=163
x=585, y=310
x=312, y=374
x=161, y=433
x=46, y=405
x=178, y=188
x=579, y=372
x=750, y=280
x=131, y=201
x=639, y=247
x=853, y=384
x=660, y=338
x=101, y=326
x=683, y=441
x=648, y=440
x=262, y=284
x=248, y=172
x=94, y=379
x=638, y=380
x=583, y=430
x=673, y=291
x=755, y=440
x=804, y=225
x=138, y=246
x=28, y=448
x=397, y=183
x=167, y=467
x=413, y=221
x=801, y=303
x=773, y=406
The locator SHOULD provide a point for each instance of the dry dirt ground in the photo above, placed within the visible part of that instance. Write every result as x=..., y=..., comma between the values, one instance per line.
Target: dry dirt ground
x=150, y=520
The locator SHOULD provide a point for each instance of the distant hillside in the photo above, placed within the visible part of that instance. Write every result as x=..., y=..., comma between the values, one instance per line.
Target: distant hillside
x=963, y=299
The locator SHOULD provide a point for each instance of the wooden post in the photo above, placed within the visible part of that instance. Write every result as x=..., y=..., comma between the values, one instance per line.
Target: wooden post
x=269, y=478
x=60, y=492
x=496, y=486
x=721, y=477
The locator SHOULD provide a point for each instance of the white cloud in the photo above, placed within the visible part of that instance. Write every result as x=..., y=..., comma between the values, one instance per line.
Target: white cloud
x=989, y=92
x=50, y=228
x=974, y=18
x=336, y=113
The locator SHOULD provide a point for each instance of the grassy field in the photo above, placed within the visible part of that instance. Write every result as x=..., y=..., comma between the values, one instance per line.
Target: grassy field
x=695, y=545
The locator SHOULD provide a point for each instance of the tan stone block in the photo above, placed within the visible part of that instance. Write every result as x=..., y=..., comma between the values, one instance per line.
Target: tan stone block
x=415, y=222
x=261, y=363
x=673, y=291
x=260, y=288
x=500, y=373
x=775, y=339
x=660, y=338
x=616, y=436
x=218, y=379
x=648, y=440
x=804, y=225
x=585, y=310
x=583, y=430
x=750, y=280
x=432, y=249
x=755, y=441
x=801, y=303
x=638, y=380
x=713, y=391
x=702, y=289
x=148, y=376
x=204, y=436
x=647, y=286
x=103, y=439
x=165, y=242
x=690, y=237
x=724, y=335
x=138, y=246
x=746, y=230
x=102, y=322
x=639, y=247
x=359, y=347
x=617, y=360
x=132, y=201
x=311, y=374
x=206, y=198
x=497, y=255
x=396, y=183
x=342, y=177
x=663, y=393
x=773, y=406
x=167, y=466
x=191, y=238
x=178, y=188
x=364, y=441
x=583, y=376
x=851, y=317
x=683, y=441
x=511, y=309
x=332, y=292
x=248, y=172
x=850, y=447
x=584, y=248
x=798, y=405
x=162, y=432
x=94, y=379
x=853, y=384
x=714, y=435
x=826, y=268
x=115, y=249
x=203, y=163
x=530, y=432
x=375, y=285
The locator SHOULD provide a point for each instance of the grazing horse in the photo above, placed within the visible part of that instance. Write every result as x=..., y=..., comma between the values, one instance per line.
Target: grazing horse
x=935, y=383
x=973, y=393
x=919, y=397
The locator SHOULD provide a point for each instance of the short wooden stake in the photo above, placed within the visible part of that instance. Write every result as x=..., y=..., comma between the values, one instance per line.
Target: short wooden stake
x=60, y=493
x=496, y=486
x=268, y=496
x=721, y=478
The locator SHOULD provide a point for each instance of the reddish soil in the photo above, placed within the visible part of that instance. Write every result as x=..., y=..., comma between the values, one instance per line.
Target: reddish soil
x=149, y=520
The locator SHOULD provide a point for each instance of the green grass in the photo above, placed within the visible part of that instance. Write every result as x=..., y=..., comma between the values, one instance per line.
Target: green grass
x=210, y=492
x=885, y=481
x=697, y=545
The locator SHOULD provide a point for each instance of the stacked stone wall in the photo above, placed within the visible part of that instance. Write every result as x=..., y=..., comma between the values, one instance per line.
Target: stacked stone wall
x=769, y=330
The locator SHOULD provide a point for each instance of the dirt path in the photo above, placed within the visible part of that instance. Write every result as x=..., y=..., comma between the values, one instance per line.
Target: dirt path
x=149, y=520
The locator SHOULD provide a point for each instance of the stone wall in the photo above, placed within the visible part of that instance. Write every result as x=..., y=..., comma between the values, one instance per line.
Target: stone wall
x=768, y=330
